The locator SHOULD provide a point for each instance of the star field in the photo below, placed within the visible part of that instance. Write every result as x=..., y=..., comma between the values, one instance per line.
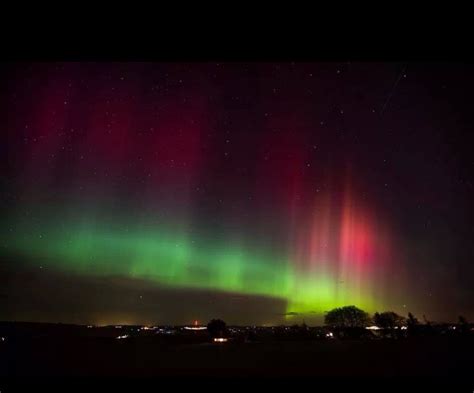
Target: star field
x=298, y=186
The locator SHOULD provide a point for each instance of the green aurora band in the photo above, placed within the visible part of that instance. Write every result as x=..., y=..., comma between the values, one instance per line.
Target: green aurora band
x=168, y=259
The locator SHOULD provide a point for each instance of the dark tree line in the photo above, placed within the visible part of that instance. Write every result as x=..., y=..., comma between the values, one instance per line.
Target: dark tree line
x=347, y=317
x=217, y=328
x=351, y=318
x=351, y=321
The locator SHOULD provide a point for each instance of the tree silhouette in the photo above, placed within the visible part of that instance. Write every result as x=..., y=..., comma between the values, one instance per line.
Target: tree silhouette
x=389, y=320
x=347, y=317
x=412, y=324
x=217, y=328
x=463, y=325
x=411, y=321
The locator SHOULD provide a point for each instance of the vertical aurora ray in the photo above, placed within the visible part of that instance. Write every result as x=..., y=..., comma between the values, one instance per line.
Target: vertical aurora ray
x=336, y=257
x=122, y=181
x=319, y=277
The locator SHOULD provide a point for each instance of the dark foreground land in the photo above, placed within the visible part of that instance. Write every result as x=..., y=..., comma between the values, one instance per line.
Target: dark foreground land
x=146, y=357
x=153, y=355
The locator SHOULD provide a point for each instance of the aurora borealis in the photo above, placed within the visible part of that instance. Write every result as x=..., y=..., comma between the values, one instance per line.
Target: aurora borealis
x=283, y=182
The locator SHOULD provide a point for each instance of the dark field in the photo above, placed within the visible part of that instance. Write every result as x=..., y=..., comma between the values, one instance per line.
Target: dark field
x=155, y=356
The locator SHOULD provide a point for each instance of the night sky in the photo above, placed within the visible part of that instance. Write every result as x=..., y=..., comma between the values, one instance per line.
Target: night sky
x=260, y=193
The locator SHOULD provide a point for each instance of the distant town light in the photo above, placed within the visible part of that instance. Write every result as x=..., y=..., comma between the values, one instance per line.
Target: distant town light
x=195, y=327
x=2, y=339
x=330, y=335
x=118, y=327
x=220, y=340
x=403, y=328
x=122, y=337
x=373, y=327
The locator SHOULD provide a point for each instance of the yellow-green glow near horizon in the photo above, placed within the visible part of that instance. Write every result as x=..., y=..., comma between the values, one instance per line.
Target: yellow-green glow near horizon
x=172, y=260
x=167, y=192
